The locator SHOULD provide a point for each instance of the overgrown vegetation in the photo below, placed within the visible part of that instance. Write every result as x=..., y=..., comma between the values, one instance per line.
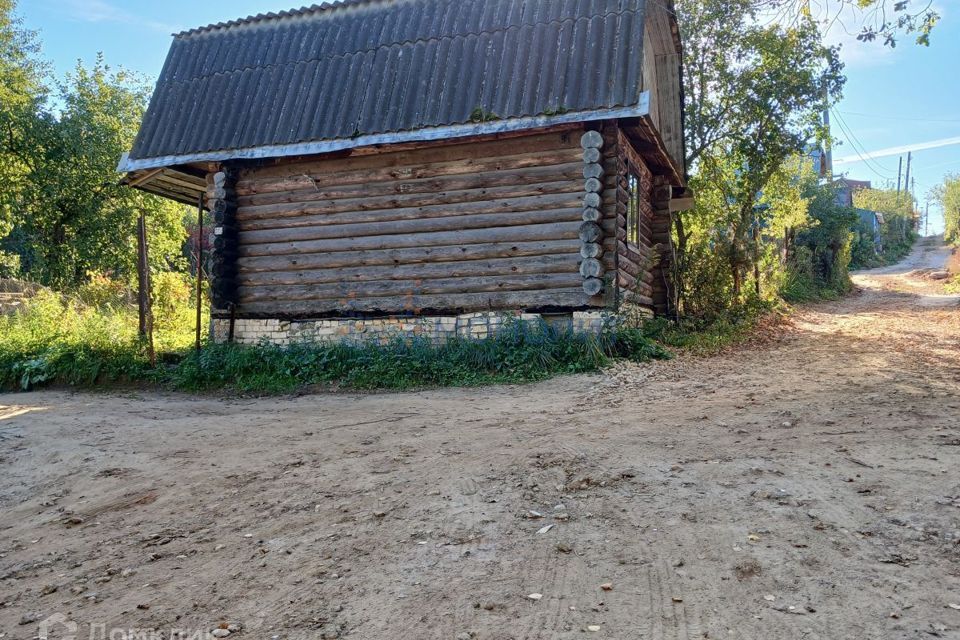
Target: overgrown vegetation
x=897, y=231
x=73, y=342
x=706, y=335
x=948, y=195
x=765, y=224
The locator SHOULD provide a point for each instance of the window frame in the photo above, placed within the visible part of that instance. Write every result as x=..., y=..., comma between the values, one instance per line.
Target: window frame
x=634, y=193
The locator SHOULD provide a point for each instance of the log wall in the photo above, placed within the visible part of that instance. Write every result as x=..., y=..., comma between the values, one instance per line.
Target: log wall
x=469, y=227
x=635, y=262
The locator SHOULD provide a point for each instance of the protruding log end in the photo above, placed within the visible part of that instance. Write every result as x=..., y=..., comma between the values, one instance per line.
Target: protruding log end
x=591, y=155
x=590, y=232
x=592, y=171
x=592, y=286
x=591, y=214
x=592, y=200
x=591, y=250
x=591, y=140
x=591, y=268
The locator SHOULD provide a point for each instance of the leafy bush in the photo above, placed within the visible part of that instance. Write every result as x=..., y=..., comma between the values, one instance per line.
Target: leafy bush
x=58, y=339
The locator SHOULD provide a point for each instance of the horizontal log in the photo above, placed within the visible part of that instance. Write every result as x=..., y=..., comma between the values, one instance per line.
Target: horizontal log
x=555, y=231
x=552, y=201
x=562, y=263
x=445, y=303
x=635, y=298
x=390, y=288
x=308, y=190
x=404, y=201
x=416, y=226
x=414, y=256
x=630, y=283
x=472, y=156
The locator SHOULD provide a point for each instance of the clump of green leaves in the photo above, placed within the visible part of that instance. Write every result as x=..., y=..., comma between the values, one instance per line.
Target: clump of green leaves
x=480, y=115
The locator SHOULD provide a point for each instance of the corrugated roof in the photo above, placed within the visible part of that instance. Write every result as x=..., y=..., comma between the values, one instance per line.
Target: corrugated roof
x=367, y=67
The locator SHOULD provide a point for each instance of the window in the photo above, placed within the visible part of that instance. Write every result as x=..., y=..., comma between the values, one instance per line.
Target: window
x=633, y=207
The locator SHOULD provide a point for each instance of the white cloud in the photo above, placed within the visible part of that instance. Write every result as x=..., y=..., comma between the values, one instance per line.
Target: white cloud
x=896, y=151
x=102, y=11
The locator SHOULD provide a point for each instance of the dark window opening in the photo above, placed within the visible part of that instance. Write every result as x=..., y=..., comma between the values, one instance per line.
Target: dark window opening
x=633, y=207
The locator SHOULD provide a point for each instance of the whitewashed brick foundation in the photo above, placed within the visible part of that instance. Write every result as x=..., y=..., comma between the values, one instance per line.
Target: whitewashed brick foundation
x=438, y=329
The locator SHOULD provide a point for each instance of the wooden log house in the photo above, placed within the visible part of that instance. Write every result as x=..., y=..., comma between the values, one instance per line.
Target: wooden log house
x=412, y=163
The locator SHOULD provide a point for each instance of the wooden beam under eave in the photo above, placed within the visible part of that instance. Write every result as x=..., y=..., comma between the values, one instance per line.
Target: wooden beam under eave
x=146, y=177
x=649, y=143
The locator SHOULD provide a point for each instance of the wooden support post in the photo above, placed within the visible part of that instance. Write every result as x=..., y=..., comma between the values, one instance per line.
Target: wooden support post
x=145, y=328
x=199, y=268
x=233, y=322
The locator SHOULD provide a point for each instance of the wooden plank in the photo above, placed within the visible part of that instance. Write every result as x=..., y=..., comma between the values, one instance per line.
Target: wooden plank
x=442, y=303
x=416, y=226
x=414, y=256
x=143, y=178
x=561, y=263
x=556, y=231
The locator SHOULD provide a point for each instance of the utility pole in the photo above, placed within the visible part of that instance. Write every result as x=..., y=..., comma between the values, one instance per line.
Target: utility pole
x=899, y=176
x=906, y=183
x=828, y=155
x=926, y=220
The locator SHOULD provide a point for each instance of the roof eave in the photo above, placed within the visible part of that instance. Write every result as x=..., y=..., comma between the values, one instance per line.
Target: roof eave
x=639, y=110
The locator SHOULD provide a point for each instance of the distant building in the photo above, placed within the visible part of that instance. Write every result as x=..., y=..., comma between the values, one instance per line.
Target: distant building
x=870, y=222
x=846, y=187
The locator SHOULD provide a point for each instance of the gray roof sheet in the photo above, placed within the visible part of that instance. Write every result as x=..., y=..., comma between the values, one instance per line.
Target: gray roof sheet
x=367, y=67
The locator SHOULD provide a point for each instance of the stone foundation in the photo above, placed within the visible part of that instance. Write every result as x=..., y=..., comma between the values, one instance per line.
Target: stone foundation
x=437, y=329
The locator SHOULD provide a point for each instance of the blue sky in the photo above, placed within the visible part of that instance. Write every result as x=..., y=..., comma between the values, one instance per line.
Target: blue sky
x=894, y=98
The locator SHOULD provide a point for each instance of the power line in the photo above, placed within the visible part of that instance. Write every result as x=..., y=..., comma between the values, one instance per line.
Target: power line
x=858, y=148
x=870, y=115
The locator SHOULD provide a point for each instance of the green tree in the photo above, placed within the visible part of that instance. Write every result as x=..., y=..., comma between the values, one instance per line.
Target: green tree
x=22, y=93
x=948, y=194
x=754, y=95
x=899, y=218
x=74, y=218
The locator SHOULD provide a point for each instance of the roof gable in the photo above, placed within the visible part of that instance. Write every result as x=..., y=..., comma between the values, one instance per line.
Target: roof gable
x=371, y=67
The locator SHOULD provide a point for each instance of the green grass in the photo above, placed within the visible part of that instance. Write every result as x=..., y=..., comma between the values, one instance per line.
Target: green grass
x=57, y=341
x=521, y=352
x=710, y=335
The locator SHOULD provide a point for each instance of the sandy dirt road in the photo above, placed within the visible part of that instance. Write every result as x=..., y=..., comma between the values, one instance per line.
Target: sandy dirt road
x=807, y=487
